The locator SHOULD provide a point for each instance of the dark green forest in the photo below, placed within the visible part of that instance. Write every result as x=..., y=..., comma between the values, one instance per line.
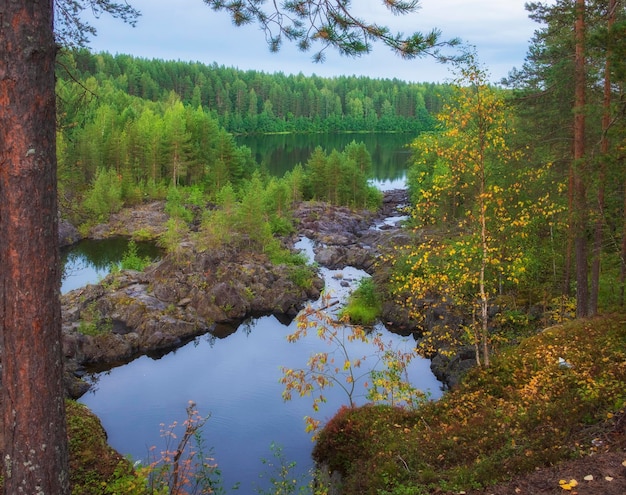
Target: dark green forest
x=256, y=102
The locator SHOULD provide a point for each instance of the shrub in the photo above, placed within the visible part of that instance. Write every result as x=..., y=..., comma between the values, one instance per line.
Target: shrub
x=533, y=407
x=105, y=195
x=364, y=306
x=131, y=259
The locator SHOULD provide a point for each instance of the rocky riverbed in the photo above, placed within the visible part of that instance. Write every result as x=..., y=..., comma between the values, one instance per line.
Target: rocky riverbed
x=199, y=291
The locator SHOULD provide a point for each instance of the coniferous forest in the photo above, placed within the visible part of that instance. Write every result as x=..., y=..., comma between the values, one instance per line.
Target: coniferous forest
x=149, y=124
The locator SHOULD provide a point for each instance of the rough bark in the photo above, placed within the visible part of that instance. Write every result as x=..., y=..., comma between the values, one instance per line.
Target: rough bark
x=604, y=154
x=580, y=190
x=34, y=442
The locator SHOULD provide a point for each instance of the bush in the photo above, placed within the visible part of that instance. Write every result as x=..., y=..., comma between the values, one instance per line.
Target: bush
x=105, y=195
x=364, y=306
x=527, y=410
x=131, y=259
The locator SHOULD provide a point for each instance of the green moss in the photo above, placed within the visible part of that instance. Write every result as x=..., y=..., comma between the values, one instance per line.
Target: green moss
x=96, y=468
x=527, y=410
x=364, y=306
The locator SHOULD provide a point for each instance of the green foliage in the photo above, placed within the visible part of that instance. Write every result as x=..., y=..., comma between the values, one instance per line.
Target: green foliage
x=147, y=137
x=105, y=195
x=534, y=406
x=309, y=23
x=302, y=276
x=175, y=206
x=91, y=321
x=279, y=473
x=341, y=178
x=310, y=104
x=364, y=304
x=127, y=482
x=390, y=383
x=131, y=259
x=171, y=239
x=143, y=234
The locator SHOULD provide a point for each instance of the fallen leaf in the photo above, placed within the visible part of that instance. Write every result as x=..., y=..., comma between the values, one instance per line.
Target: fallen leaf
x=608, y=478
x=568, y=485
x=565, y=485
x=589, y=477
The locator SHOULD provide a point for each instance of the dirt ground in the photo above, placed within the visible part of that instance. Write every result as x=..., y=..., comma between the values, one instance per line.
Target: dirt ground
x=602, y=473
x=607, y=470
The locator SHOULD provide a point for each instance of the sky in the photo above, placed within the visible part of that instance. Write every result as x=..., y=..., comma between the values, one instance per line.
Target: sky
x=188, y=30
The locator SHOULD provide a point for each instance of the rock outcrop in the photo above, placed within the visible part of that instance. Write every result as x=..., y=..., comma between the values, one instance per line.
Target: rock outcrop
x=135, y=313
x=196, y=292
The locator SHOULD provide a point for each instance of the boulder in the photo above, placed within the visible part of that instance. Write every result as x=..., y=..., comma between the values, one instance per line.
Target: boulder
x=68, y=234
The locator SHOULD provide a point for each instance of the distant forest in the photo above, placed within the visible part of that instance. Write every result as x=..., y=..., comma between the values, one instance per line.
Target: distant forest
x=247, y=102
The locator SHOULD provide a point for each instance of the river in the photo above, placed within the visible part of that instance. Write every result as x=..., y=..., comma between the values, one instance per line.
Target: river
x=233, y=376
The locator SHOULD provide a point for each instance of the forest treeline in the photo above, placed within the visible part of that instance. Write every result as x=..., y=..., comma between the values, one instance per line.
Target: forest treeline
x=257, y=102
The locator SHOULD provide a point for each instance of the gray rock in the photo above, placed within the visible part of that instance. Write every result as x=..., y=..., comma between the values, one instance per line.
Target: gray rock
x=68, y=234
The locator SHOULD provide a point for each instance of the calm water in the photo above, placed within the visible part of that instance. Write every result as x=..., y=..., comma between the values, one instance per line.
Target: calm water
x=281, y=152
x=235, y=378
x=89, y=261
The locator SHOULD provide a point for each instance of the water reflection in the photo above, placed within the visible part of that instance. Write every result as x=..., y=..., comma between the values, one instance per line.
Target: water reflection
x=88, y=261
x=280, y=152
x=234, y=377
x=236, y=380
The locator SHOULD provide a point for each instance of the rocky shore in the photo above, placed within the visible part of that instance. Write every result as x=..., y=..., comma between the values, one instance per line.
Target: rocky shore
x=130, y=314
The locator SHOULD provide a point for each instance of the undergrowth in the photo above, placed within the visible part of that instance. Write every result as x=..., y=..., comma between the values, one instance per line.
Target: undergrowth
x=540, y=402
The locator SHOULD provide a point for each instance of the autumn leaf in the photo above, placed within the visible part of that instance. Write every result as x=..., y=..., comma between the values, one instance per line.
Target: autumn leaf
x=568, y=485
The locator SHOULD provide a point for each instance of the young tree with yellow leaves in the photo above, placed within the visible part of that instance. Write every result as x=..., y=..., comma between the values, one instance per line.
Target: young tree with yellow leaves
x=471, y=210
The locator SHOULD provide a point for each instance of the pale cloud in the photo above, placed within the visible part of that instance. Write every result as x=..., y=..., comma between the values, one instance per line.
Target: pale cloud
x=188, y=30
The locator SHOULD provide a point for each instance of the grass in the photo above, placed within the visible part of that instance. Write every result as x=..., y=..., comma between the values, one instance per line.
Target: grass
x=541, y=402
x=364, y=306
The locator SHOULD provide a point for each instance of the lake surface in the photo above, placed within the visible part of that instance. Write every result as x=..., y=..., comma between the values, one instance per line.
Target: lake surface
x=89, y=261
x=279, y=153
x=233, y=376
x=235, y=379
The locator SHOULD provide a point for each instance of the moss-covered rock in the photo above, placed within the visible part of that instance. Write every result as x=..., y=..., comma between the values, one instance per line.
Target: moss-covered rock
x=95, y=467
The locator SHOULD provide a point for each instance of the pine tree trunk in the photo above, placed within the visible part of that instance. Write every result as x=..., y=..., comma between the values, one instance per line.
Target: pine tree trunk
x=34, y=441
x=604, y=153
x=580, y=191
x=623, y=254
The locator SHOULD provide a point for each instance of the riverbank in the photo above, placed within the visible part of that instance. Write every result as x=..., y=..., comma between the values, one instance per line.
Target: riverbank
x=194, y=291
x=547, y=417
